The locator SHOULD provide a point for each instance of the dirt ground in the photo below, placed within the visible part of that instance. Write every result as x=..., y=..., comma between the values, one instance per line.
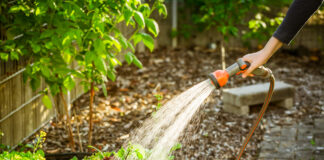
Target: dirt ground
x=212, y=134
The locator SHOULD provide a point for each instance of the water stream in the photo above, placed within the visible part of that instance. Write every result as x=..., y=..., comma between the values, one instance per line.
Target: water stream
x=161, y=132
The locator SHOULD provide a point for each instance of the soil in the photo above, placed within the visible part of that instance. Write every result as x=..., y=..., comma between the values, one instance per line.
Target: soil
x=213, y=133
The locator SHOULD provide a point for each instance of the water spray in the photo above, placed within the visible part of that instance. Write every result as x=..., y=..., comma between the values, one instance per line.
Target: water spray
x=219, y=79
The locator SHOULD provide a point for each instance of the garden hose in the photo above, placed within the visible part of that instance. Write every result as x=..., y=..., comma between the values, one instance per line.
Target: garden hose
x=220, y=77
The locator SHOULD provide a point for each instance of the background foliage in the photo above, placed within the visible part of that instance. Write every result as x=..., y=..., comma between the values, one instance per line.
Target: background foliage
x=54, y=33
x=248, y=19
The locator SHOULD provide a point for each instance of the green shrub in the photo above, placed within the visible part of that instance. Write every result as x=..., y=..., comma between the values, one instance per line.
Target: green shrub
x=37, y=153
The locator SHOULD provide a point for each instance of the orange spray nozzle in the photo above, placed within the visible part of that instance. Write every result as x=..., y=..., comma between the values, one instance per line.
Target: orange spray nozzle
x=220, y=77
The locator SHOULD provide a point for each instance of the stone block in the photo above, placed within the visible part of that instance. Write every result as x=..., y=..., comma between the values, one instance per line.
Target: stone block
x=286, y=103
x=268, y=145
x=302, y=155
x=289, y=131
x=242, y=110
x=255, y=94
x=319, y=123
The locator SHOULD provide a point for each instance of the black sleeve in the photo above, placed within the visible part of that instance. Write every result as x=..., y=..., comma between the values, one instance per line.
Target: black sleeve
x=298, y=13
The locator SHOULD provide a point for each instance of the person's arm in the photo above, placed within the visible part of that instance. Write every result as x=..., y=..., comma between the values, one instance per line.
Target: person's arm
x=298, y=13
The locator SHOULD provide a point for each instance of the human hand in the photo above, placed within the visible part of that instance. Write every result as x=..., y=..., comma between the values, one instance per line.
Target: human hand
x=255, y=59
x=261, y=57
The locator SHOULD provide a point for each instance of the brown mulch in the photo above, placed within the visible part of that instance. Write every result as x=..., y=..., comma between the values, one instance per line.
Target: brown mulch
x=213, y=134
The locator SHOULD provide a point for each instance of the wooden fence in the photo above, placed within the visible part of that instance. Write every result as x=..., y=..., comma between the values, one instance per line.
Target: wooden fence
x=22, y=112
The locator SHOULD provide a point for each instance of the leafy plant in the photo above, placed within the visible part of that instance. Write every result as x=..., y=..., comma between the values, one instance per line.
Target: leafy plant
x=158, y=97
x=133, y=151
x=54, y=35
x=228, y=17
x=312, y=142
x=40, y=139
x=174, y=148
x=37, y=153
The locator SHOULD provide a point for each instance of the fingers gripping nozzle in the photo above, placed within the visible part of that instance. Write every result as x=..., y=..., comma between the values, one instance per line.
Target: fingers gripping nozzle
x=220, y=77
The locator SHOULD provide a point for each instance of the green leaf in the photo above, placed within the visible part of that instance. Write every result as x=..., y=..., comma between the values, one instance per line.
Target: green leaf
x=67, y=56
x=62, y=70
x=121, y=153
x=129, y=57
x=312, y=142
x=130, y=45
x=176, y=147
x=14, y=55
x=137, y=62
x=148, y=41
x=123, y=41
x=40, y=152
x=128, y=13
x=99, y=47
x=139, y=19
x=47, y=33
x=139, y=150
x=136, y=2
x=116, y=44
x=28, y=145
x=114, y=61
x=45, y=71
x=111, y=75
x=139, y=154
x=54, y=88
x=137, y=38
x=36, y=48
x=89, y=57
x=47, y=102
x=162, y=10
x=223, y=30
x=104, y=89
x=4, y=56
x=101, y=65
x=69, y=83
x=35, y=83
x=67, y=40
x=152, y=26
x=145, y=9
x=74, y=158
x=49, y=45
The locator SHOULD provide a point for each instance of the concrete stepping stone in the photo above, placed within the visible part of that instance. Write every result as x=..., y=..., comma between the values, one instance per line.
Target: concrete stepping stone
x=238, y=100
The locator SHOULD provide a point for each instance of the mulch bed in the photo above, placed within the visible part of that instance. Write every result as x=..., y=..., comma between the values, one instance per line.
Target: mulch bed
x=212, y=134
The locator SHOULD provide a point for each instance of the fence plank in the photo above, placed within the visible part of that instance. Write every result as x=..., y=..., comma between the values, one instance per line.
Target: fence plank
x=18, y=126
x=6, y=128
x=29, y=118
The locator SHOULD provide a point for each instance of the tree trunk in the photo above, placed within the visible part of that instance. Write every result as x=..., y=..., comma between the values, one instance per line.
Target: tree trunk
x=68, y=120
x=90, y=113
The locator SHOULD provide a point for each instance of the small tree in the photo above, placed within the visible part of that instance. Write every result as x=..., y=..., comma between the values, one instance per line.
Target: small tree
x=52, y=34
x=103, y=41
